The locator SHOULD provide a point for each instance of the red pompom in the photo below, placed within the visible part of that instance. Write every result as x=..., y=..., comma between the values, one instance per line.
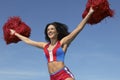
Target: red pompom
x=16, y=24
x=101, y=10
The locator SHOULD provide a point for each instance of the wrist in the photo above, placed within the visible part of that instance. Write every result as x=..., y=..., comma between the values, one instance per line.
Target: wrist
x=14, y=33
x=90, y=13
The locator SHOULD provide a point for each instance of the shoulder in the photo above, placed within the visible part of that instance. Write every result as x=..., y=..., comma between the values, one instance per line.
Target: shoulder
x=64, y=46
x=64, y=41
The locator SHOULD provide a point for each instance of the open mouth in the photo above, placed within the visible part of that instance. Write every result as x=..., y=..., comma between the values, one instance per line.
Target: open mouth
x=50, y=34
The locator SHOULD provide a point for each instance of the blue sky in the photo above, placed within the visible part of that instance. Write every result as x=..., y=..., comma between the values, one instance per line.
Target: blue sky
x=93, y=55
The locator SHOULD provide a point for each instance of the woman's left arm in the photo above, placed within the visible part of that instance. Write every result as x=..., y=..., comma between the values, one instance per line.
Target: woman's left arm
x=68, y=39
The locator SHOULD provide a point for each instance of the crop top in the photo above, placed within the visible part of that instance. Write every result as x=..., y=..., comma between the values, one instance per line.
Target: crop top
x=57, y=54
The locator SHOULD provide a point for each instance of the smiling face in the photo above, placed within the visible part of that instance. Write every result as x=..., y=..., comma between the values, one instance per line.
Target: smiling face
x=52, y=32
x=55, y=30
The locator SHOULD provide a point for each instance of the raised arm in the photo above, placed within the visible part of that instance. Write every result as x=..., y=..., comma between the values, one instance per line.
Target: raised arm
x=68, y=39
x=27, y=40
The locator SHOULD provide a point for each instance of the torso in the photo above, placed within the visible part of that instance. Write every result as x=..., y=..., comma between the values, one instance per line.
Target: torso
x=54, y=64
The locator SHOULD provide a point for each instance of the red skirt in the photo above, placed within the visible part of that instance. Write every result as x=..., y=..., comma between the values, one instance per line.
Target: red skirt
x=62, y=74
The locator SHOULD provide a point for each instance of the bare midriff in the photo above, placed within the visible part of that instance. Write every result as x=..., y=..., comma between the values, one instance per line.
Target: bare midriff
x=55, y=66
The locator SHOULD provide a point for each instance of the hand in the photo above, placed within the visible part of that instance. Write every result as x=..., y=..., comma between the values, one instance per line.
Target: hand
x=91, y=10
x=12, y=32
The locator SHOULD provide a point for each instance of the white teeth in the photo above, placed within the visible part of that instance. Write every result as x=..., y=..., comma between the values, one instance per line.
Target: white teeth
x=50, y=34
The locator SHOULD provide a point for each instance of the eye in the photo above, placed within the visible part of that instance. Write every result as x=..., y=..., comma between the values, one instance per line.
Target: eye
x=52, y=28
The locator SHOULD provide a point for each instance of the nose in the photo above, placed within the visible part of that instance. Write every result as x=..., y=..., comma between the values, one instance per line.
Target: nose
x=49, y=31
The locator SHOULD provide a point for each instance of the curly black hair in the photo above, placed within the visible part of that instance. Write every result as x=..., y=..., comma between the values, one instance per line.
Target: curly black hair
x=61, y=28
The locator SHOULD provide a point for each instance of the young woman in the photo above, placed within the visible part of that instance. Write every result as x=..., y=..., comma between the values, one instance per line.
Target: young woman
x=58, y=40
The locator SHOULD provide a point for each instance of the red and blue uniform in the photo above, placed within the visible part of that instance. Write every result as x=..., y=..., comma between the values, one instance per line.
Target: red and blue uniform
x=57, y=54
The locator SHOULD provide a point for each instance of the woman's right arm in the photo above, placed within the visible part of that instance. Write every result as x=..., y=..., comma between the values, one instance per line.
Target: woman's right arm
x=27, y=40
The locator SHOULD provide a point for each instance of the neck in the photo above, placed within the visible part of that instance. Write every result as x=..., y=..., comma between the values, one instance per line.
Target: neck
x=53, y=42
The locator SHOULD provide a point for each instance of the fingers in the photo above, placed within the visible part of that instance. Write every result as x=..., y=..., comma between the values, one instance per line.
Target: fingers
x=91, y=10
x=12, y=32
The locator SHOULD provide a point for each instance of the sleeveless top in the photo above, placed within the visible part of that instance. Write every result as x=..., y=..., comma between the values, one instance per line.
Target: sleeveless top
x=57, y=54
